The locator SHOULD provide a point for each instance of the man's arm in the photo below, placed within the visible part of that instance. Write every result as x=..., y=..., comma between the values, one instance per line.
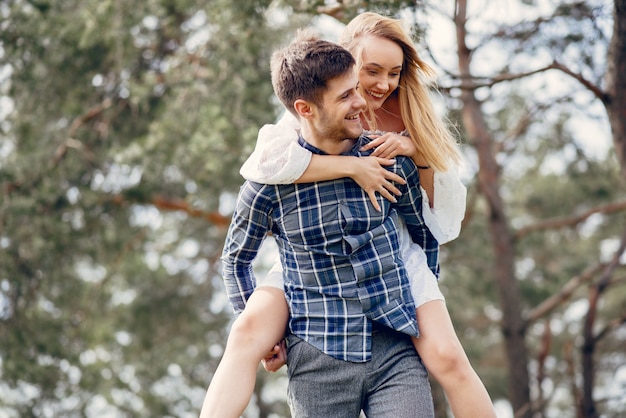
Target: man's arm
x=249, y=226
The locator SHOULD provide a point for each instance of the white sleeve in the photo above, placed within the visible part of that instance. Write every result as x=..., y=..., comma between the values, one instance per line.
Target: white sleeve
x=277, y=156
x=445, y=217
x=273, y=278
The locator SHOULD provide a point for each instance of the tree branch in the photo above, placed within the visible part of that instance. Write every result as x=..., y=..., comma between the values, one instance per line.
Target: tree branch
x=614, y=324
x=88, y=115
x=335, y=11
x=181, y=205
x=589, y=339
x=492, y=81
x=597, y=91
x=173, y=204
x=71, y=141
x=557, y=223
x=566, y=292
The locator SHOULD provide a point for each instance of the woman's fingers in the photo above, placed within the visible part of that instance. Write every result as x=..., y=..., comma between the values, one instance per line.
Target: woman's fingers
x=374, y=199
x=391, y=145
x=393, y=177
x=392, y=190
x=375, y=179
x=276, y=358
x=376, y=141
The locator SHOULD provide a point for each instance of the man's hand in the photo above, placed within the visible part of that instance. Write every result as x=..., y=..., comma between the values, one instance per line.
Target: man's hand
x=276, y=358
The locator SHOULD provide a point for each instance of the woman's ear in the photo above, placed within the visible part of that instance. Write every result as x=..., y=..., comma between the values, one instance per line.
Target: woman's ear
x=303, y=108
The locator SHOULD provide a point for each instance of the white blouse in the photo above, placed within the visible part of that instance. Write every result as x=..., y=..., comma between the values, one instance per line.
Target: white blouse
x=279, y=159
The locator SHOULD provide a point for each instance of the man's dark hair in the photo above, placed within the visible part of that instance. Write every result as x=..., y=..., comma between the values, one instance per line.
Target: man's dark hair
x=303, y=68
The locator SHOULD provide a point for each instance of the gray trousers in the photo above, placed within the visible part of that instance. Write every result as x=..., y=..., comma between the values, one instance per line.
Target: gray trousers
x=394, y=384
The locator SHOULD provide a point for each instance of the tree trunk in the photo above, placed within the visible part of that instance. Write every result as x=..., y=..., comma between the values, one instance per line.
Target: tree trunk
x=616, y=82
x=513, y=325
x=615, y=103
x=591, y=339
x=588, y=406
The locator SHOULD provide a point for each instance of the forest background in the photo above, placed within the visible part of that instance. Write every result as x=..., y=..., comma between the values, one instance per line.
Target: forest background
x=122, y=128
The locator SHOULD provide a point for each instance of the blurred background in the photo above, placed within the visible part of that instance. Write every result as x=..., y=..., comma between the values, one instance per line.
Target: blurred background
x=123, y=125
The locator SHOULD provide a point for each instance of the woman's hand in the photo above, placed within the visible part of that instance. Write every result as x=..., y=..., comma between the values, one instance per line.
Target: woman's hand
x=371, y=175
x=276, y=358
x=390, y=145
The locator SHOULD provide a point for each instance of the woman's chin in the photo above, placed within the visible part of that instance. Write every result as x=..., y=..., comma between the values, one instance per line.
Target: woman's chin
x=375, y=104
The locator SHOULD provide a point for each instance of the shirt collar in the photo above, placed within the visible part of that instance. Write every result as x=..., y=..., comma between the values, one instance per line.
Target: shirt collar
x=362, y=140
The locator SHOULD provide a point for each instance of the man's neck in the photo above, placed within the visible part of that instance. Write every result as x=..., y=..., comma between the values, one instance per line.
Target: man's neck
x=328, y=145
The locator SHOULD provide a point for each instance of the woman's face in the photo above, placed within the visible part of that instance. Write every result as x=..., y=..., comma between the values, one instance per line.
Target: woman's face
x=379, y=75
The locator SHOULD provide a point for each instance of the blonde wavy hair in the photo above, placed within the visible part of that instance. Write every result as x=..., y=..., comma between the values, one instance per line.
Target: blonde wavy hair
x=428, y=131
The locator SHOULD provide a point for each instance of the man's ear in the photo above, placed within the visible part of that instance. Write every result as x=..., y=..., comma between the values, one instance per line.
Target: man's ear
x=303, y=108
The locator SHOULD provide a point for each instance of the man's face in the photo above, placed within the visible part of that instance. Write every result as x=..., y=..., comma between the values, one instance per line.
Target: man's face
x=338, y=116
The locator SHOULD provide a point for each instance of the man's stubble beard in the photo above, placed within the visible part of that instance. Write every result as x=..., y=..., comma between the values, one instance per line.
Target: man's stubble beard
x=335, y=133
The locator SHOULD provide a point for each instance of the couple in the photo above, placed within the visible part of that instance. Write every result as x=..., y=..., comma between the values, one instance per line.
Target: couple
x=351, y=280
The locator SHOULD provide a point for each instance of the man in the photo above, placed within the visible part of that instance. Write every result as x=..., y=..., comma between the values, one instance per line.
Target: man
x=351, y=312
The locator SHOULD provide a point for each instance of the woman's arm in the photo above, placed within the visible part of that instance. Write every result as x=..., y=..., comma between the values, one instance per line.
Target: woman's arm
x=279, y=159
x=445, y=215
x=367, y=172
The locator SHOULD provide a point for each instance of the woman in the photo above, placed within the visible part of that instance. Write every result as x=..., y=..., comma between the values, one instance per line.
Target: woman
x=390, y=73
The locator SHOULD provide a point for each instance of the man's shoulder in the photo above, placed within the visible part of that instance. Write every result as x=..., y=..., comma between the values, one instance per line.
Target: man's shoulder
x=405, y=164
x=252, y=190
x=363, y=140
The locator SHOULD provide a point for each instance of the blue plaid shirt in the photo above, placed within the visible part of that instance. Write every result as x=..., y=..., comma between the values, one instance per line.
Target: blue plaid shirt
x=341, y=260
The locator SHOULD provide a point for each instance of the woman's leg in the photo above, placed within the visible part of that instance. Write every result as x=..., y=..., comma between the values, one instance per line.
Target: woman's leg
x=444, y=357
x=254, y=333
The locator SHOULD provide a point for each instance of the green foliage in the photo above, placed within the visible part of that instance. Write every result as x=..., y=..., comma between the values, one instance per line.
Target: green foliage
x=116, y=104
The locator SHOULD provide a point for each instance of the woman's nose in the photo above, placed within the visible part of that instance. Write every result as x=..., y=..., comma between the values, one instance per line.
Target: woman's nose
x=383, y=83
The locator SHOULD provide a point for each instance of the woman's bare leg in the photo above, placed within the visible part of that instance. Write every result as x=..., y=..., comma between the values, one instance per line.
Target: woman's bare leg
x=253, y=334
x=444, y=357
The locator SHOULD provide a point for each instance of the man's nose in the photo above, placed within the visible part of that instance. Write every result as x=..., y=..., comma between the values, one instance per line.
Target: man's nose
x=360, y=102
